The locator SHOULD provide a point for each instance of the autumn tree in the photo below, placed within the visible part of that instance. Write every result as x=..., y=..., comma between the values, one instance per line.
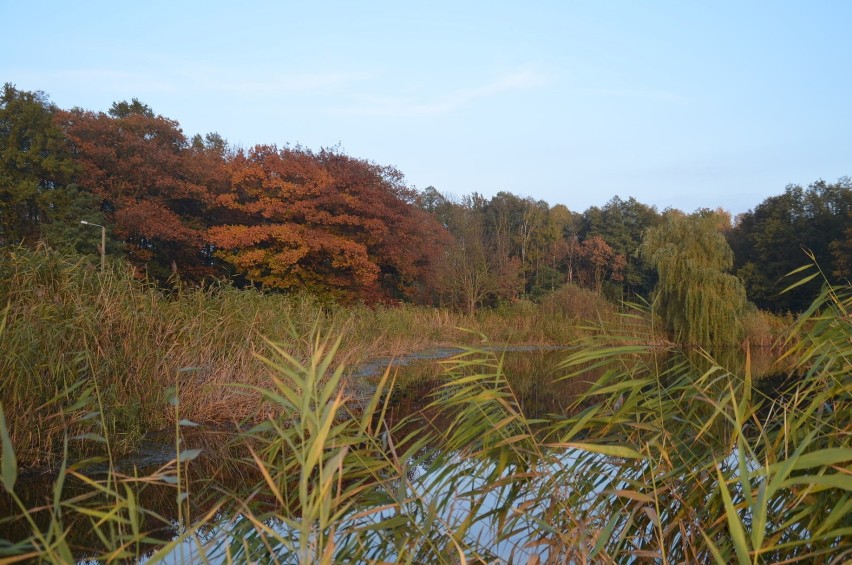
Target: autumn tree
x=504, y=236
x=149, y=183
x=698, y=298
x=474, y=273
x=601, y=262
x=325, y=222
x=622, y=223
x=401, y=239
x=519, y=231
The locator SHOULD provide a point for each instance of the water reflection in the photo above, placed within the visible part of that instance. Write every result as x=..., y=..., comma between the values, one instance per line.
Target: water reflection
x=217, y=484
x=533, y=375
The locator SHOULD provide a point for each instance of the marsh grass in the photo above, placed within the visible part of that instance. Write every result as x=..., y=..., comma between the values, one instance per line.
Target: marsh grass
x=721, y=471
x=532, y=372
x=91, y=509
x=664, y=456
x=70, y=327
x=764, y=329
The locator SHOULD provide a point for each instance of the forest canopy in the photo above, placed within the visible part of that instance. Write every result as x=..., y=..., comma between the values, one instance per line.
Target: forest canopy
x=293, y=219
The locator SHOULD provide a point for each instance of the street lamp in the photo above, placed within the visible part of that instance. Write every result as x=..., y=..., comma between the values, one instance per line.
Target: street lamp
x=103, y=242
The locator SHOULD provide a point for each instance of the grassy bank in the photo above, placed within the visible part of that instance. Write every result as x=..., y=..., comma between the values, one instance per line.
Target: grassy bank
x=666, y=459
x=79, y=343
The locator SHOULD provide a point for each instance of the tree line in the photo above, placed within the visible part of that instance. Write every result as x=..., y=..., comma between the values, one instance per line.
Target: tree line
x=292, y=219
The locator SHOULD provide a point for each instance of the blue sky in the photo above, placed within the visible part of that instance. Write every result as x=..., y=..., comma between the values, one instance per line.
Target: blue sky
x=681, y=104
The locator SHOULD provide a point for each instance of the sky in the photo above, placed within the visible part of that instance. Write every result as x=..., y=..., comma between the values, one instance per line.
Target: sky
x=677, y=104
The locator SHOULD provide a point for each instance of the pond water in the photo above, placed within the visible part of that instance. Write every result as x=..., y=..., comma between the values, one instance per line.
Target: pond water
x=217, y=545
x=537, y=387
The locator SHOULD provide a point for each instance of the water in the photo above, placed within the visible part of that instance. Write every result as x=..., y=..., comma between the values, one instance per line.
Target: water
x=450, y=488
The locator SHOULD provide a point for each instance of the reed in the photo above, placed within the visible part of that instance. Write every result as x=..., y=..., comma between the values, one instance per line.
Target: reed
x=664, y=456
x=764, y=329
x=68, y=325
x=719, y=470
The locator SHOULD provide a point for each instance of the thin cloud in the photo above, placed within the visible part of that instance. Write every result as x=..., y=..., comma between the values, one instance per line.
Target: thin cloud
x=416, y=107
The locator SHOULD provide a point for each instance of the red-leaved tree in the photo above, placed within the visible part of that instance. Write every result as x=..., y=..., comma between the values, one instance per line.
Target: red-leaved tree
x=325, y=222
x=145, y=175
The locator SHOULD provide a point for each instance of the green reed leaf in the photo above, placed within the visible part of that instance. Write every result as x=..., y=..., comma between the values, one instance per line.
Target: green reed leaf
x=735, y=526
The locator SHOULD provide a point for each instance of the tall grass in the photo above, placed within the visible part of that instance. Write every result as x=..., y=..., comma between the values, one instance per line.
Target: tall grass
x=667, y=457
x=764, y=329
x=94, y=510
x=71, y=327
x=719, y=470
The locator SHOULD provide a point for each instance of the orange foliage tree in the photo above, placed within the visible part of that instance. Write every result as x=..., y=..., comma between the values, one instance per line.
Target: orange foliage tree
x=144, y=172
x=600, y=262
x=325, y=222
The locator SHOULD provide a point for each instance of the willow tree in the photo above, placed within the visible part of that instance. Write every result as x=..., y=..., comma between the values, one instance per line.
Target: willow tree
x=700, y=301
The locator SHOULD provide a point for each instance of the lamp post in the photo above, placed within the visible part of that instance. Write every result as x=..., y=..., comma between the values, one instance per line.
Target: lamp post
x=103, y=242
